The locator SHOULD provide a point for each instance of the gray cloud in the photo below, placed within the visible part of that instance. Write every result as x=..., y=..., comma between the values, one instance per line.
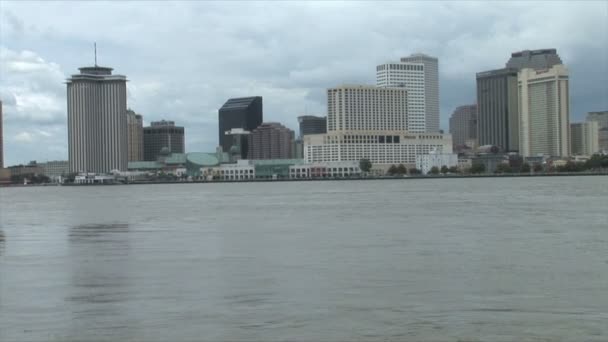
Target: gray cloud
x=184, y=59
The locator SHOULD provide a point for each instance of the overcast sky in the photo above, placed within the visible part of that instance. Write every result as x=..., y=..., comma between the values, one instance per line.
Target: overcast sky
x=185, y=59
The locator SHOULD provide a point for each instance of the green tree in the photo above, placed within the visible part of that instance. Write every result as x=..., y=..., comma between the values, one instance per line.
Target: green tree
x=365, y=165
x=478, y=168
x=434, y=170
x=502, y=168
x=453, y=169
x=401, y=169
x=596, y=162
x=392, y=170
x=444, y=169
x=537, y=168
x=525, y=168
x=415, y=171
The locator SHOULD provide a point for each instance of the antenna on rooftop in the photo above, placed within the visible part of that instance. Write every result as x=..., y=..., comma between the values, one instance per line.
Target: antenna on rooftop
x=95, y=46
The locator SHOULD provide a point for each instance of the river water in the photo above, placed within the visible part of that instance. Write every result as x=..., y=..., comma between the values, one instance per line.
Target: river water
x=498, y=259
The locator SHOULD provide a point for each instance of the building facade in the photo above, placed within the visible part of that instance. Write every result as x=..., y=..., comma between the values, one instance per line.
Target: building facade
x=97, y=120
x=544, y=112
x=270, y=140
x=245, y=113
x=497, y=109
x=310, y=124
x=425, y=162
x=534, y=59
x=162, y=134
x=55, y=169
x=431, y=88
x=463, y=125
x=358, y=107
x=325, y=170
x=380, y=147
x=135, y=136
x=584, y=138
x=602, y=120
x=411, y=77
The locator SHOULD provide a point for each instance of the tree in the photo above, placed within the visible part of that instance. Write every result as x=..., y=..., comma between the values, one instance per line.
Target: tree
x=415, y=171
x=596, y=162
x=365, y=165
x=525, y=168
x=434, y=170
x=401, y=169
x=444, y=169
x=453, y=169
x=392, y=170
x=502, y=168
x=537, y=168
x=478, y=168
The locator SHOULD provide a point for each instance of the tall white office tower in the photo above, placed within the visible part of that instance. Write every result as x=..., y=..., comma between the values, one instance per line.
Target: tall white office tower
x=97, y=121
x=431, y=88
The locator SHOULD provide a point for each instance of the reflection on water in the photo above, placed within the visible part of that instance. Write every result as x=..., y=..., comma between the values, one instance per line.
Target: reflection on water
x=98, y=279
x=2, y=238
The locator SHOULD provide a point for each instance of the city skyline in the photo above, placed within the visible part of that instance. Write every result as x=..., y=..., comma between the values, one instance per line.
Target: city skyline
x=180, y=82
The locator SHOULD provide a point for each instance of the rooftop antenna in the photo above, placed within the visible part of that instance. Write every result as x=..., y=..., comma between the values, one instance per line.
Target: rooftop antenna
x=95, y=46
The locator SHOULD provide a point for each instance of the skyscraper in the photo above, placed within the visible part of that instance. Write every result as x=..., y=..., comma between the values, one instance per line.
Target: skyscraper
x=97, y=120
x=497, y=111
x=544, y=118
x=497, y=98
x=411, y=77
x=359, y=107
x=602, y=120
x=271, y=140
x=431, y=88
x=160, y=135
x=1, y=140
x=135, y=133
x=372, y=123
x=310, y=124
x=463, y=125
x=584, y=138
x=245, y=113
x=534, y=59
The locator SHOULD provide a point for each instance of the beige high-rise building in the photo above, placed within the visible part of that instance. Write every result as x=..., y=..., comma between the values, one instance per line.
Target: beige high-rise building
x=97, y=121
x=135, y=136
x=584, y=138
x=544, y=111
x=360, y=107
x=602, y=120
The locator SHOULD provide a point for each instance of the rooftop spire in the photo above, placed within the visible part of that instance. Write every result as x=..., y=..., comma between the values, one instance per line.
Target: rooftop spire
x=95, y=46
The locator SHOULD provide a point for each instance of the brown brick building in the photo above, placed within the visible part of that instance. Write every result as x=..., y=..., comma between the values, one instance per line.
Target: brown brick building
x=270, y=140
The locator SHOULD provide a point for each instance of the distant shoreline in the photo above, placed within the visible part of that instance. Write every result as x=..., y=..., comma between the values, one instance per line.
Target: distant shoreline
x=263, y=180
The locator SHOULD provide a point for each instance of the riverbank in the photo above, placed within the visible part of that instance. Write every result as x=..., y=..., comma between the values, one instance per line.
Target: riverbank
x=400, y=177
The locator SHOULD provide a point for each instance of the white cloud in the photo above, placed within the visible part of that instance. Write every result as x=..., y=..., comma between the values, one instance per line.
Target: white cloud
x=24, y=137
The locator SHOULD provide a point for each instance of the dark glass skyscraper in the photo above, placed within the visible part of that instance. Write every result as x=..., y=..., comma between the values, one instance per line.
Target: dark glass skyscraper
x=310, y=124
x=534, y=59
x=244, y=113
x=162, y=134
x=497, y=111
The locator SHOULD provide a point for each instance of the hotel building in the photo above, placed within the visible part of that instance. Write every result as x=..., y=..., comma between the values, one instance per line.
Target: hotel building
x=97, y=121
x=544, y=112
